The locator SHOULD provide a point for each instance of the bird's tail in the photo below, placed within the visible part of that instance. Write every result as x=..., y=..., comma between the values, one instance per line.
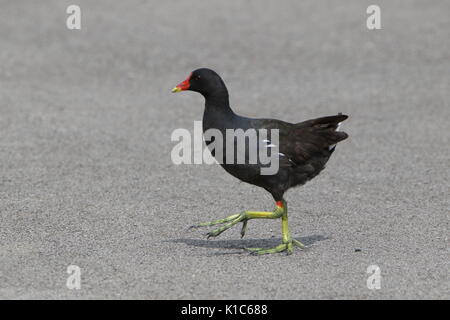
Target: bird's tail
x=330, y=122
x=328, y=128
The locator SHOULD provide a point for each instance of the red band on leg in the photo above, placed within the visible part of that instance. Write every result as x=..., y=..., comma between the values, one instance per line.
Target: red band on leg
x=280, y=204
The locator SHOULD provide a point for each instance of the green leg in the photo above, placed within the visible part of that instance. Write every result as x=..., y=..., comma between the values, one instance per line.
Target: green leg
x=280, y=212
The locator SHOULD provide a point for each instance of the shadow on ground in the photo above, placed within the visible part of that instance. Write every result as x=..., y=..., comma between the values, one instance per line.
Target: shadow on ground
x=247, y=243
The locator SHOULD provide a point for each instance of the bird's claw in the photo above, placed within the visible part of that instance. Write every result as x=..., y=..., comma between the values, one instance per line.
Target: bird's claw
x=213, y=234
x=244, y=228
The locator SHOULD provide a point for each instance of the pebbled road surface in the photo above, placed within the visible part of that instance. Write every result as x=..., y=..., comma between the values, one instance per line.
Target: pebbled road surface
x=86, y=177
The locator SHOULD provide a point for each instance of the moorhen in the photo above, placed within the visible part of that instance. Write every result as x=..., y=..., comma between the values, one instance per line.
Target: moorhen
x=304, y=148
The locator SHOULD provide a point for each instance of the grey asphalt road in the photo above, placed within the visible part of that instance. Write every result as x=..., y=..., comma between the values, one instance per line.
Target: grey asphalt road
x=86, y=176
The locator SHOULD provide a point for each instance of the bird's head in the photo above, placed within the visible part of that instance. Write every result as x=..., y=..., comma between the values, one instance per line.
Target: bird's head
x=204, y=81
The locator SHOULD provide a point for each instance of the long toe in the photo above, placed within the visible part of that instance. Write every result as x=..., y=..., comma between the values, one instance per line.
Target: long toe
x=280, y=248
x=218, y=231
x=298, y=244
x=287, y=247
x=215, y=222
x=253, y=249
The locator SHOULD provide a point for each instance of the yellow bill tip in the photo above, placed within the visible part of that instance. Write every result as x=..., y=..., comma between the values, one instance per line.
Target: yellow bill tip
x=176, y=89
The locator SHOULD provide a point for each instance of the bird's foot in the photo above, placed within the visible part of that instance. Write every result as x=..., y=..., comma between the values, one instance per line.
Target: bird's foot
x=280, y=212
x=236, y=218
x=215, y=222
x=287, y=245
x=229, y=222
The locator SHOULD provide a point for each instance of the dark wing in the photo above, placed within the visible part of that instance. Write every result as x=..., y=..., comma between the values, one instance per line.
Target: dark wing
x=312, y=139
x=301, y=142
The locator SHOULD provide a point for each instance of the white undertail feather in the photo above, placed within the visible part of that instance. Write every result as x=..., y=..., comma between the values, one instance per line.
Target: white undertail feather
x=337, y=129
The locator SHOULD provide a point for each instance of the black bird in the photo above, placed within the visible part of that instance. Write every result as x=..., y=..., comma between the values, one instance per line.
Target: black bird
x=302, y=152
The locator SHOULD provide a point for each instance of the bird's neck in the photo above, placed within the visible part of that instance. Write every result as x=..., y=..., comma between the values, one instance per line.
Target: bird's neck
x=218, y=102
x=217, y=114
